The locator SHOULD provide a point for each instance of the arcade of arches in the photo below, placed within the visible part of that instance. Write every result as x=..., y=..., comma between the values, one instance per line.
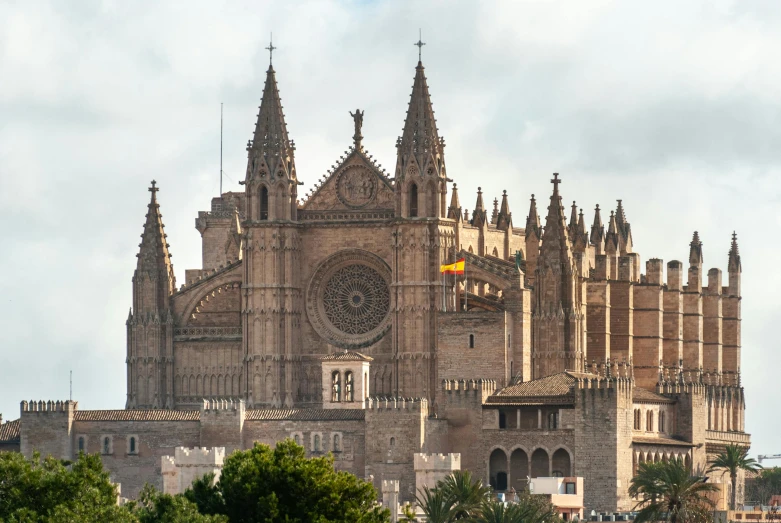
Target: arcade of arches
x=511, y=470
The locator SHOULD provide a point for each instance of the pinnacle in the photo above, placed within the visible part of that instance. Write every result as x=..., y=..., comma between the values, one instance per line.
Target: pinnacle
x=695, y=250
x=270, y=138
x=734, y=255
x=420, y=136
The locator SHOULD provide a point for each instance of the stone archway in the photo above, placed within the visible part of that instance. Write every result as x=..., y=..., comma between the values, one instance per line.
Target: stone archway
x=519, y=469
x=497, y=470
x=561, y=464
x=540, y=464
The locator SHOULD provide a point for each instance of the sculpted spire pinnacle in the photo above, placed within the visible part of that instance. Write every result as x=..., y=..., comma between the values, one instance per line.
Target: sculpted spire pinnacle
x=695, y=250
x=495, y=213
x=623, y=229
x=555, y=236
x=479, y=215
x=612, y=241
x=533, y=226
x=734, y=265
x=573, y=220
x=420, y=148
x=504, y=219
x=597, y=237
x=454, y=211
x=271, y=152
x=153, y=255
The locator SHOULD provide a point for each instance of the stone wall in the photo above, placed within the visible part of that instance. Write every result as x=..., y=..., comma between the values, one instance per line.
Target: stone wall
x=488, y=358
x=186, y=465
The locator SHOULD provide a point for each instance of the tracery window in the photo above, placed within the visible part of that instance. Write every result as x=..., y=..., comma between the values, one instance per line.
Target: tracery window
x=413, y=200
x=356, y=299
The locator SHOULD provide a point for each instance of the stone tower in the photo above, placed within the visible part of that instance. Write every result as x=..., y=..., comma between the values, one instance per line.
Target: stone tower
x=558, y=339
x=421, y=193
x=272, y=301
x=150, y=323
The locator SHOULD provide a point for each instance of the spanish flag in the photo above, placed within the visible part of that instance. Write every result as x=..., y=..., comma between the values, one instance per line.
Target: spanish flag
x=453, y=268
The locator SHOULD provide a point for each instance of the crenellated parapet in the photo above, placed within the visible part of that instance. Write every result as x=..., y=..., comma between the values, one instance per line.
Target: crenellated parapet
x=66, y=406
x=467, y=391
x=380, y=404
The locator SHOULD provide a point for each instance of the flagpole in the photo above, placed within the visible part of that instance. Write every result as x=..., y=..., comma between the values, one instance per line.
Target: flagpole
x=466, y=286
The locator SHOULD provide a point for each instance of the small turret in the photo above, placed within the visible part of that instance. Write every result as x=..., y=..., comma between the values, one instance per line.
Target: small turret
x=695, y=264
x=597, y=238
x=734, y=267
x=454, y=211
x=504, y=220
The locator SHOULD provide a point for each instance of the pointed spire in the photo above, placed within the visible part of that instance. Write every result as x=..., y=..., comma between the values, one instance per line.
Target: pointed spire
x=479, y=215
x=611, y=238
x=624, y=230
x=573, y=221
x=270, y=143
x=597, y=230
x=581, y=223
x=734, y=265
x=235, y=233
x=695, y=250
x=533, y=226
x=153, y=255
x=555, y=236
x=420, y=137
x=495, y=213
x=504, y=219
x=454, y=211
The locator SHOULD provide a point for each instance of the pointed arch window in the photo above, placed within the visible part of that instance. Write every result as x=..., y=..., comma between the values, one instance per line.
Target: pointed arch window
x=413, y=200
x=264, y=203
x=471, y=341
x=348, y=386
x=336, y=386
x=132, y=445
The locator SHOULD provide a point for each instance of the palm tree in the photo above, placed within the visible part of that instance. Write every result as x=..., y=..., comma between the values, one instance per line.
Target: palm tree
x=668, y=492
x=733, y=459
x=436, y=506
x=465, y=495
x=527, y=510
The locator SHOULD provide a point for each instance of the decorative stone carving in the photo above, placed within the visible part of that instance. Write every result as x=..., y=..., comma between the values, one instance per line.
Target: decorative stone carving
x=348, y=299
x=356, y=186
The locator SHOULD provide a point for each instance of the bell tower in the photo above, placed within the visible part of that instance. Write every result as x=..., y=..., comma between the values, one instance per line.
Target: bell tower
x=272, y=294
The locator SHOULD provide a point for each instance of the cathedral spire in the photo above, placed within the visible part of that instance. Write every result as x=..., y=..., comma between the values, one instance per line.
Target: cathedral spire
x=271, y=144
x=573, y=221
x=612, y=242
x=533, y=220
x=153, y=255
x=504, y=219
x=555, y=236
x=454, y=211
x=623, y=229
x=734, y=265
x=479, y=215
x=695, y=250
x=597, y=231
x=420, y=147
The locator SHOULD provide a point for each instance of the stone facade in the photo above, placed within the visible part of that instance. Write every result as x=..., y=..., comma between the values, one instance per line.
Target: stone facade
x=556, y=353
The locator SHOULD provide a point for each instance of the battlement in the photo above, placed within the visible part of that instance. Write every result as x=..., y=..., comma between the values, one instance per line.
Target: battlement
x=463, y=385
x=222, y=405
x=619, y=384
x=199, y=456
x=448, y=462
x=48, y=406
x=390, y=485
x=395, y=404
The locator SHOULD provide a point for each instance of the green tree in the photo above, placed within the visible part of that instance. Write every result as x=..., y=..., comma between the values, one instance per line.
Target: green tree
x=52, y=490
x=155, y=507
x=764, y=485
x=464, y=494
x=205, y=496
x=282, y=485
x=733, y=459
x=668, y=492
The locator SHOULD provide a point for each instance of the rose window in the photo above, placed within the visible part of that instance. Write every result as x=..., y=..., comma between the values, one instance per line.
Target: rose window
x=356, y=299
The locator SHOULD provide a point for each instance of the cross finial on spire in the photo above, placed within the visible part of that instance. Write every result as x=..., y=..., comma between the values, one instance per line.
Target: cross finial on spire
x=154, y=188
x=420, y=43
x=270, y=48
x=555, y=181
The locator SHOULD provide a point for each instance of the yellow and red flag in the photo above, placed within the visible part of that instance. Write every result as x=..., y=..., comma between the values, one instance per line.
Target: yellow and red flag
x=453, y=268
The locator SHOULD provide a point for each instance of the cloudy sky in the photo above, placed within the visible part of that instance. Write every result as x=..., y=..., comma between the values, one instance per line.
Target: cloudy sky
x=673, y=107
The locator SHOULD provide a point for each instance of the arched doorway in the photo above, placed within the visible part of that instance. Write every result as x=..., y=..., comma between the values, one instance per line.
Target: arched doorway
x=561, y=463
x=497, y=470
x=519, y=469
x=540, y=464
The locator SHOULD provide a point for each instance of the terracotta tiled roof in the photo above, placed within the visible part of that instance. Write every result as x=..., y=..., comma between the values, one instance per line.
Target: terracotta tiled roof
x=137, y=415
x=650, y=440
x=9, y=431
x=346, y=356
x=305, y=415
x=557, y=387
x=646, y=396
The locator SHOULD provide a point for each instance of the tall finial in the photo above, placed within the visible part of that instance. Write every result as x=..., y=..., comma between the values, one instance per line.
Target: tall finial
x=420, y=43
x=270, y=49
x=154, y=188
x=555, y=181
